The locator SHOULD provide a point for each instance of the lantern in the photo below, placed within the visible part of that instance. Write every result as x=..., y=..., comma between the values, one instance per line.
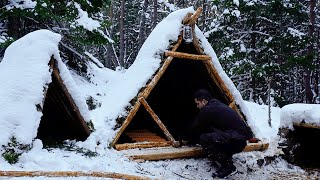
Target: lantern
x=187, y=34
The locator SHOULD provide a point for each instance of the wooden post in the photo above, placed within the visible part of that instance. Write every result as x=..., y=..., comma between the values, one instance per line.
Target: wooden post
x=158, y=121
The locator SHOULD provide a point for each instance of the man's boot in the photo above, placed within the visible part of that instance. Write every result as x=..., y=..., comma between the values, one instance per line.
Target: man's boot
x=226, y=169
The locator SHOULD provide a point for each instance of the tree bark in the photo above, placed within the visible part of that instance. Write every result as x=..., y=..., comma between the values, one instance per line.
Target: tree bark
x=155, y=13
x=307, y=79
x=142, y=28
x=121, y=29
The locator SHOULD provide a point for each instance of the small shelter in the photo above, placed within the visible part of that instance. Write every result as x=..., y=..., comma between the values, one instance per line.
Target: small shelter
x=299, y=128
x=162, y=107
x=38, y=97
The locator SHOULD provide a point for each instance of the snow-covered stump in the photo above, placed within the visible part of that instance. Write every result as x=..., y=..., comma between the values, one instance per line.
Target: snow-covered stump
x=300, y=130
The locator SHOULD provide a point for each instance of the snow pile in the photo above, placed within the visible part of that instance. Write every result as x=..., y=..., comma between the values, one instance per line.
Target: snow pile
x=300, y=113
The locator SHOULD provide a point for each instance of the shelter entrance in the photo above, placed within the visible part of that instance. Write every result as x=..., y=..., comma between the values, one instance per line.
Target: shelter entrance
x=61, y=119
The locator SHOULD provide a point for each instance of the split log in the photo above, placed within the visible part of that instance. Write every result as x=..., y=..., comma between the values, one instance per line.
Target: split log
x=181, y=152
x=187, y=56
x=256, y=147
x=125, y=146
x=69, y=174
x=168, y=153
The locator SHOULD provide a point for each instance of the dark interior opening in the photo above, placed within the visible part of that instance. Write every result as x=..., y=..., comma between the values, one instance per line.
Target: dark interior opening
x=172, y=98
x=59, y=121
x=302, y=148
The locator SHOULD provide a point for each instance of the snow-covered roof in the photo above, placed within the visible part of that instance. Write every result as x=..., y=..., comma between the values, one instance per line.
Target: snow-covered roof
x=124, y=87
x=24, y=75
x=299, y=113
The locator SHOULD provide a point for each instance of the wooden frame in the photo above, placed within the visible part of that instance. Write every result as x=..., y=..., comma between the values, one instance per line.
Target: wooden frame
x=146, y=92
x=190, y=19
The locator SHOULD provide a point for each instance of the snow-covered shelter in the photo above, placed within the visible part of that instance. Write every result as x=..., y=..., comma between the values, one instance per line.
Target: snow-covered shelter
x=38, y=97
x=299, y=128
x=181, y=61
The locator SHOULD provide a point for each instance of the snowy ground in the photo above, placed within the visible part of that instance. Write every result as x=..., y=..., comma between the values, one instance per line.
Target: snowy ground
x=250, y=165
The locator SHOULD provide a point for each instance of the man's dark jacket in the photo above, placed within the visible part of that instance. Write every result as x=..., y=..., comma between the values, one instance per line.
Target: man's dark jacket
x=219, y=123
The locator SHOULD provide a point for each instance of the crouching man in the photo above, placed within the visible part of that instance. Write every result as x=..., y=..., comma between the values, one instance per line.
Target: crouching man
x=220, y=131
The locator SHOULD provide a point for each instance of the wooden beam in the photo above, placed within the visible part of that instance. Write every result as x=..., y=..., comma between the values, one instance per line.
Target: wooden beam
x=158, y=121
x=167, y=153
x=306, y=125
x=256, y=147
x=232, y=104
x=186, y=18
x=188, y=56
x=139, y=145
x=70, y=174
x=182, y=152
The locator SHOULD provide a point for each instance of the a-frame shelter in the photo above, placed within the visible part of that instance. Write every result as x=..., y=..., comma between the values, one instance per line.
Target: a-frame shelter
x=61, y=119
x=166, y=101
x=39, y=98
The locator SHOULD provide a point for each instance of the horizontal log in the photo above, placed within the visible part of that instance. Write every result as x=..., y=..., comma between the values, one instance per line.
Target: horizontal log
x=188, y=56
x=168, y=153
x=306, y=125
x=120, y=147
x=256, y=147
x=181, y=152
x=69, y=174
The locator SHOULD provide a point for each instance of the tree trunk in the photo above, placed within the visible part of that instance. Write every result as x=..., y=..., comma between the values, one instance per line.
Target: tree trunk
x=14, y=24
x=142, y=28
x=121, y=29
x=307, y=79
x=155, y=13
x=204, y=14
x=111, y=59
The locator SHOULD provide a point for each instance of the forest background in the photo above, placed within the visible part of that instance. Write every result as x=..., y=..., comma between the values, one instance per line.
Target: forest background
x=269, y=48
